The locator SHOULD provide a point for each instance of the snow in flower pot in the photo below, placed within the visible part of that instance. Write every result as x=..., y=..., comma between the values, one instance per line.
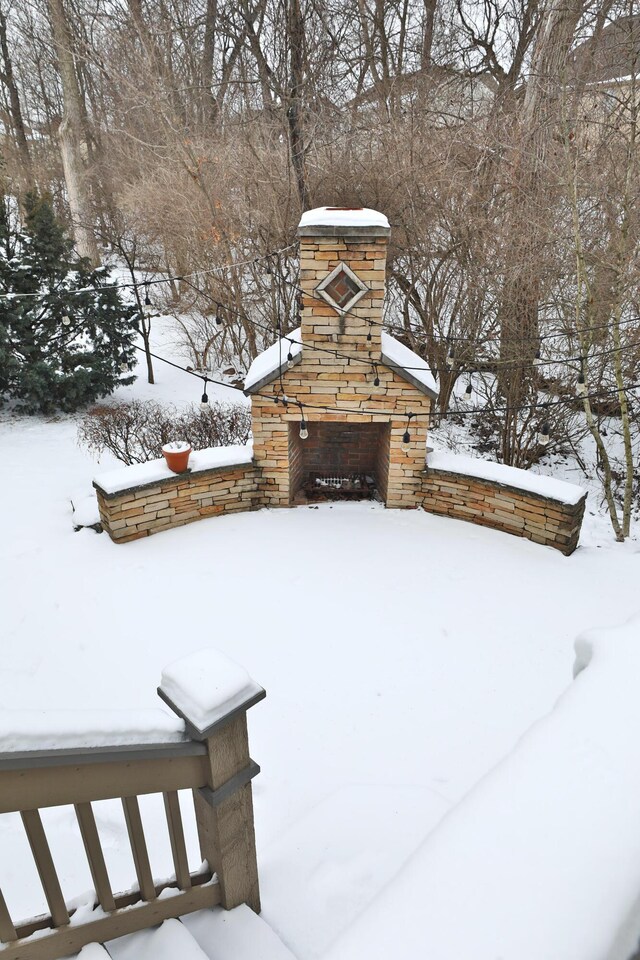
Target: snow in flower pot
x=176, y=454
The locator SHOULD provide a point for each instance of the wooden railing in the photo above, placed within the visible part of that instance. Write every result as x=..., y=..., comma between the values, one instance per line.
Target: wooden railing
x=214, y=764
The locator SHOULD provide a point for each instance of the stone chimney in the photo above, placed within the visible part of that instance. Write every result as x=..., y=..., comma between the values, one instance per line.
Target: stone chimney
x=343, y=253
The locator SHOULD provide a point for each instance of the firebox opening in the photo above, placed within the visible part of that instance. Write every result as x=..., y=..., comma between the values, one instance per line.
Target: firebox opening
x=339, y=461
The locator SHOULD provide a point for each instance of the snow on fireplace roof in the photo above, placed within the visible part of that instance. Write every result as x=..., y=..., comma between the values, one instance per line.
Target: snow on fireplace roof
x=408, y=364
x=343, y=217
x=268, y=365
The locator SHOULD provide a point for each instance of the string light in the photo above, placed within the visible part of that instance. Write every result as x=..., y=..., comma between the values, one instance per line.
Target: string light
x=290, y=363
x=489, y=361
x=147, y=308
x=124, y=363
x=66, y=320
x=450, y=358
x=376, y=379
x=218, y=314
x=469, y=389
x=537, y=359
x=598, y=395
x=581, y=387
x=304, y=433
x=544, y=434
x=204, y=402
x=406, y=437
x=369, y=331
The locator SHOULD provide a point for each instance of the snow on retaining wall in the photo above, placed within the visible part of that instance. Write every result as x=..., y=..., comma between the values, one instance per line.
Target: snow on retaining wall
x=143, y=499
x=515, y=501
x=541, y=859
x=154, y=471
x=506, y=476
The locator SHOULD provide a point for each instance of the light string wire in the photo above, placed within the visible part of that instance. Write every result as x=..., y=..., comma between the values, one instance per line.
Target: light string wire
x=134, y=284
x=579, y=358
x=448, y=338
x=206, y=379
x=268, y=256
x=539, y=405
x=285, y=399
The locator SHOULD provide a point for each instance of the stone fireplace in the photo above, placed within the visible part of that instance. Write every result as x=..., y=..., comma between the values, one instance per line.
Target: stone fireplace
x=345, y=460
x=358, y=390
x=340, y=409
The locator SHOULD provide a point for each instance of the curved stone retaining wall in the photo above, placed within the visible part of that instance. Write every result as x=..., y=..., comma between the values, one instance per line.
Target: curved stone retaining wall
x=171, y=501
x=550, y=520
x=143, y=499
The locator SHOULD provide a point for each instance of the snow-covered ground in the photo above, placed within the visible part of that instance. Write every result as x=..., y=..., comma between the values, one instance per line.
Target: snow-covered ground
x=403, y=656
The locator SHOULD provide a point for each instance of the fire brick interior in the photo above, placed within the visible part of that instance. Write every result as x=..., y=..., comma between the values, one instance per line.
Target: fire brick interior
x=339, y=450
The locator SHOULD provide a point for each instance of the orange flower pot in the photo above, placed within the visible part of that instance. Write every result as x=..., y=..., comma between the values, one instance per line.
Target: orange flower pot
x=176, y=454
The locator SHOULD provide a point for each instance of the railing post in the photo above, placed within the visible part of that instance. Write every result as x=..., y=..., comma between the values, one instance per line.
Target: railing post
x=224, y=808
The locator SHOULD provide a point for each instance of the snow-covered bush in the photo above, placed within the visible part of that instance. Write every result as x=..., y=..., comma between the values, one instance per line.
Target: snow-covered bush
x=136, y=431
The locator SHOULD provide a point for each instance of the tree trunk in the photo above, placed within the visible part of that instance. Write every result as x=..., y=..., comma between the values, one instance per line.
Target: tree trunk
x=208, y=50
x=536, y=126
x=17, y=119
x=295, y=109
x=426, y=52
x=70, y=136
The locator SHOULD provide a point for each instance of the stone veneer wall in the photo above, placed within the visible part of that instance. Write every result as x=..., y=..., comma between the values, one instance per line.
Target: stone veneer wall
x=321, y=378
x=140, y=511
x=505, y=508
x=271, y=442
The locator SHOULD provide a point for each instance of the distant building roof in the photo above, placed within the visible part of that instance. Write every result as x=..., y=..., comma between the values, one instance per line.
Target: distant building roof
x=615, y=54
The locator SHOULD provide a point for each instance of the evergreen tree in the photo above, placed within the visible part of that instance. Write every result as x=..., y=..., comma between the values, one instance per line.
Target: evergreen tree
x=66, y=337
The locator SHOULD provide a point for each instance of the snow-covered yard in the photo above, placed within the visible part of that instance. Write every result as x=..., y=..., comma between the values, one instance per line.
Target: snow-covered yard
x=403, y=656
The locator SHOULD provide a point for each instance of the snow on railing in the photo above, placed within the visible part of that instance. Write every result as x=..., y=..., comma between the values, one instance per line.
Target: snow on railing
x=205, y=750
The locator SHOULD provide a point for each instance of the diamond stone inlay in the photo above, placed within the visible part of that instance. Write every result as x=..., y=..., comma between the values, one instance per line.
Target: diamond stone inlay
x=342, y=289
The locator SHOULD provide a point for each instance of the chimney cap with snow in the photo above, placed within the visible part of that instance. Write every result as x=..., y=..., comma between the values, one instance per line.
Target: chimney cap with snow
x=343, y=222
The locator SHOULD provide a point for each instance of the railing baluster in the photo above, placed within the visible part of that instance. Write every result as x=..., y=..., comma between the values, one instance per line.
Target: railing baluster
x=176, y=836
x=93, y=849
x=7, y=929
x=138, y=847
x=46, y=869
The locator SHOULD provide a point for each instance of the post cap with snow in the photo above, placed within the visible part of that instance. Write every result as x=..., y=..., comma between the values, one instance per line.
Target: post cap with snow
x=207, y=690
x=343, y=222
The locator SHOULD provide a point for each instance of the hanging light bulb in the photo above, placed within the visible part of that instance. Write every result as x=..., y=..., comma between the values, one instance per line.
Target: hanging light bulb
x=450, y=357
x=147, y=307
x=290, y=356
x=376, y=379
x=124, y=363
x=543, y=435
x=66, y=320
x=369, y=333
x=204, y=401
x=581, y=386
x=406, y=437
x=537, y=359
x=218, y=315
x=304, y=433
x=469, y=389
